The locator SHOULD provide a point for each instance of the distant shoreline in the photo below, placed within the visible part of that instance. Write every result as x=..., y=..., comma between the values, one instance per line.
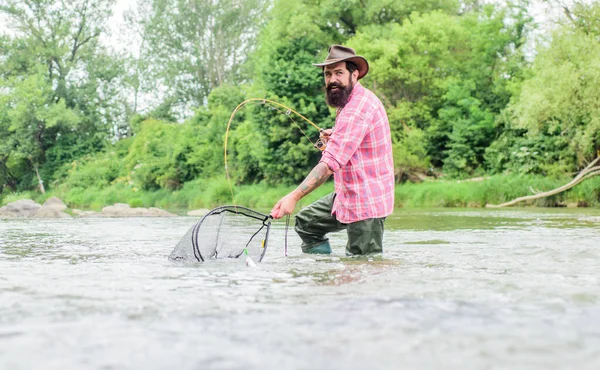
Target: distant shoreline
x=428, y=194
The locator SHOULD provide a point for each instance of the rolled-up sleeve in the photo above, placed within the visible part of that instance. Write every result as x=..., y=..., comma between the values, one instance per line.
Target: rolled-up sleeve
x=350, y=129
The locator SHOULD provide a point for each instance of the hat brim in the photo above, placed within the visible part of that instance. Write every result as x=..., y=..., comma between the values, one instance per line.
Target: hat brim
x=361, y=63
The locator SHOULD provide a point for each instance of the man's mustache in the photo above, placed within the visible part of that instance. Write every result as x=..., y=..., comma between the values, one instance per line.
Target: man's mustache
x=334, y=84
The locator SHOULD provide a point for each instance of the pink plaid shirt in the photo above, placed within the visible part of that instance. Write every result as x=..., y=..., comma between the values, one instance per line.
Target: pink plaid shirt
x=359, y=153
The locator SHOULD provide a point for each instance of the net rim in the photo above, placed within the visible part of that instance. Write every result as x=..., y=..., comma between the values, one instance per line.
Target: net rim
x=234, y=209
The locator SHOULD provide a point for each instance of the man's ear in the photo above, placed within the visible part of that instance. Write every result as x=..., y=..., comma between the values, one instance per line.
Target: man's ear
x=355, y=75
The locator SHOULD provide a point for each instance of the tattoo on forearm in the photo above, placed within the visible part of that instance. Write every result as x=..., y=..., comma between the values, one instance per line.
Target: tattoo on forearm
x=315, y=178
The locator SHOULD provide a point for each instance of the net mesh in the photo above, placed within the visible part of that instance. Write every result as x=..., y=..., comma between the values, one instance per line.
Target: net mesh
x=225, y=232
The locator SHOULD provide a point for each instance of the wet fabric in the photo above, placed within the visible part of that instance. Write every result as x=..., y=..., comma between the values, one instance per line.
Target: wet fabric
x=315, y=221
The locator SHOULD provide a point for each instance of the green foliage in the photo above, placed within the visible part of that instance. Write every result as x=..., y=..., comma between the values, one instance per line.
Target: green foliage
x=471, y=132
x=352, y=15
x=288, y=47
x=247, y=150
x=586, y=194
x=446, y=75
x=135, y=202
x=92, y=171
x=31, y=123
x=460, y=97
x=152, y=160
x=59, y=88
x=192, y=47
x=561, y=99
x=493, y=190
x=13, y=197
x=218, y=193
x=515, y=152
x=204, y=137
x=95, y=170
x=410, y=154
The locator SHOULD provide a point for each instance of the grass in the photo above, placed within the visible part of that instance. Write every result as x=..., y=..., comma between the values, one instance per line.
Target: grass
x=429, y=194
x=494, y=190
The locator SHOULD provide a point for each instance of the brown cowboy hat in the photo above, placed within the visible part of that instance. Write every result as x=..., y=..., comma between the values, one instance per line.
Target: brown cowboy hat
x=339, y=53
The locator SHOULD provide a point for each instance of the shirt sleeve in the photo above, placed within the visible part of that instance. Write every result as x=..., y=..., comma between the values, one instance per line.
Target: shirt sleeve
x=350, y=129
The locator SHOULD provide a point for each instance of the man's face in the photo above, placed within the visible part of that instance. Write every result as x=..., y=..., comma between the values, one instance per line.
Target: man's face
x=339, y=83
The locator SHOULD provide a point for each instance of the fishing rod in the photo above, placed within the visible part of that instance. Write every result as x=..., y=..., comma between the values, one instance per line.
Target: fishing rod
x=319, y=144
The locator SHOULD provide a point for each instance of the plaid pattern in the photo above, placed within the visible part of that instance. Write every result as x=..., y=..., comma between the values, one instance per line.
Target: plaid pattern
x=359, y=152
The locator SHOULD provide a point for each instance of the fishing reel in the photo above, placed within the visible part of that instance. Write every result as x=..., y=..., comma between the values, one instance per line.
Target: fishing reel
x=320, y=144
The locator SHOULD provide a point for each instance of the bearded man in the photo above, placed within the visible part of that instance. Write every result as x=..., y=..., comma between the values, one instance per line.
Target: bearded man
x=358, y=154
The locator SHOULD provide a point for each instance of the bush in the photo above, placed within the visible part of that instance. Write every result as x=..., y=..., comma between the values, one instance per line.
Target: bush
x=135, y=202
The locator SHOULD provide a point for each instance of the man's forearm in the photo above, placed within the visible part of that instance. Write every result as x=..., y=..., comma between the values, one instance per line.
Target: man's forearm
x=319, y=174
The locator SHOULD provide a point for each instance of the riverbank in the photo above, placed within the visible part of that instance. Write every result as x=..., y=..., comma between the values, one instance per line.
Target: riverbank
x=429, y=194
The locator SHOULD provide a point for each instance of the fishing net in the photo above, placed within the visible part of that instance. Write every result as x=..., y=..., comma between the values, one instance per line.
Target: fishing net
x=225, y=232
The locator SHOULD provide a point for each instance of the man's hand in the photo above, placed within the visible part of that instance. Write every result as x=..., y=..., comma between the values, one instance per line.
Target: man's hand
x=325, y=135
x=284, y=207
x=315, y=178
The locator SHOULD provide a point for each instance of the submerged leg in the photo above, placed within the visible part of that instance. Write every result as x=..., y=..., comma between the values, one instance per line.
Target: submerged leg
x=365, y=237
x=314, y=222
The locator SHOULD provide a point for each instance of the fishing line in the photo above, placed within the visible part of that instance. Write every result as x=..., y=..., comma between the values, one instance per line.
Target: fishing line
x=275, y=105
x=283, y=109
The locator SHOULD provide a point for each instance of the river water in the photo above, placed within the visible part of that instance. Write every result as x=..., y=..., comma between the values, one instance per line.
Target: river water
x=454, y=289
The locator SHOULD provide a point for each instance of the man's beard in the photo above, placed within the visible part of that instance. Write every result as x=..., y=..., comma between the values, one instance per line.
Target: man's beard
x=338, y=98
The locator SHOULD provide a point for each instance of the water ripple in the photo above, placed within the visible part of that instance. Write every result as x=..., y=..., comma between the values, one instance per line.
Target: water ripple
x=515, y=289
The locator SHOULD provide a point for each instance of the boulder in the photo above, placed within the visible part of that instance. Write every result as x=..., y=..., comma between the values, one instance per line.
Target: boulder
x=124, y=210
x=49, y=212
x=6, y=214
x=20, y=208
x=198, y=212
x=157, y=212
x=55, y=203
x=81, y=213
x=118, y=210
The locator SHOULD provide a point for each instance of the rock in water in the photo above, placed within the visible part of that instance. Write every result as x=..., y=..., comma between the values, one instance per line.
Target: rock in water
x=20, y=208
x=55, y=203
x=198, y=212
x=49, y=212
x=124, y=210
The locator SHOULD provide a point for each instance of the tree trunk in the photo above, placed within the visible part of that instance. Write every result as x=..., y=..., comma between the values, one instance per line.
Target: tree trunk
x=9, y=179
x=42, y=189
x=590, y=171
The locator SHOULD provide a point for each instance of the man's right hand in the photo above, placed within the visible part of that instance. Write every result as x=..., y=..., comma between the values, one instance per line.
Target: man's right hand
x=325, y=134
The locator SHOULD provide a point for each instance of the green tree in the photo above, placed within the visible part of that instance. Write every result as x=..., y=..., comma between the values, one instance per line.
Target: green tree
x=152, y=160
x=192, y=46
x=561, y=98
x=206, y=134
x=77, y=76
x=447, y=75
x=31, y=121
x=342, y=19
x=288, y=46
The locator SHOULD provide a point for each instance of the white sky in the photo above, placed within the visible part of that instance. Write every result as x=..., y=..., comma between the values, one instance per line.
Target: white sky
x=117, y=24
x=540, y=10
